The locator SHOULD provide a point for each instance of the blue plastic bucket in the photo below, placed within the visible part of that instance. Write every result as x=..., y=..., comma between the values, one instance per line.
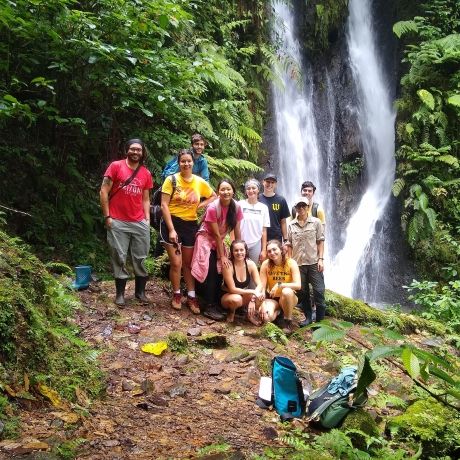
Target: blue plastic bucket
x=82, y=276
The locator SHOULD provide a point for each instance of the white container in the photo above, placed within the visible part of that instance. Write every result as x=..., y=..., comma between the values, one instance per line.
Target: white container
x=265, y=388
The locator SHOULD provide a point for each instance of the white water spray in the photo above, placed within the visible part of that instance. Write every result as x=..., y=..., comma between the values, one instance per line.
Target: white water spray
x=376, y=119
x=299, y=156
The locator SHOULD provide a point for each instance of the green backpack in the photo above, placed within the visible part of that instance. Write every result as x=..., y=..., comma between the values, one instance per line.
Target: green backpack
x=330, y=404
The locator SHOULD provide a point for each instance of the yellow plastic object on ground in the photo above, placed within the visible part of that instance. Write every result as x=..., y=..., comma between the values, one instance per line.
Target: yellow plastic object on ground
x=155, y=348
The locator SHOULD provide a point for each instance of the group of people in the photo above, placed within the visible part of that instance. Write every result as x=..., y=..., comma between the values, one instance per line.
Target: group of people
x=288, y=246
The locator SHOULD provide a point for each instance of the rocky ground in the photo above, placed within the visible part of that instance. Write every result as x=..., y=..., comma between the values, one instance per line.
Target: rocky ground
x=171, y=406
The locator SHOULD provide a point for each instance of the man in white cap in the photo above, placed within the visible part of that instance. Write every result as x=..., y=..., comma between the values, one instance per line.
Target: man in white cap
x=306, y=246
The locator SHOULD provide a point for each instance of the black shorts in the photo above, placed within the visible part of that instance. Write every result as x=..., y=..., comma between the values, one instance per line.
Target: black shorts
x=186, y=231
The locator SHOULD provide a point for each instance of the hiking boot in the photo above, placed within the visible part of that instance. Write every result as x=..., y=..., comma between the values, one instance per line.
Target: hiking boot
x=120, y=285
x=213, y=312
x=176, y=302
x=139, y=290
x=192, y=303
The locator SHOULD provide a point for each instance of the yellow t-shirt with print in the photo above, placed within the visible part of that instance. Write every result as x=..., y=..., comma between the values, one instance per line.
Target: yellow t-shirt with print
x=278, y=274
x=186, y=197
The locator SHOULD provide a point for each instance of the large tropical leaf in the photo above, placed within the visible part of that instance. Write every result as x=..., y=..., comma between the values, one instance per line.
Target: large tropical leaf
x=411, y=362
x=327, y=334
x=384, y=351
x=426, y=97
x=454, y=100
x=398, y=186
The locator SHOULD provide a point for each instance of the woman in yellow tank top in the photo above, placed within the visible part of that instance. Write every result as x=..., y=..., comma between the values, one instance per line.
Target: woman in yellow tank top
x=280, y=276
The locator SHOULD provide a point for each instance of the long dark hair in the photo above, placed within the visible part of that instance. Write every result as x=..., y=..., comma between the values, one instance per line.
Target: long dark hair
x=136, y=141
x=239, y=242
x=231, y=214
x=283, y=255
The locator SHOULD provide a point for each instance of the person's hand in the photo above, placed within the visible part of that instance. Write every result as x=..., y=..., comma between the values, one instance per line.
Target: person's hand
x=225, y=262
x=274, y=289
x=320, y=265
x=173, y=238
x=108, y=223
x=262, y=255
x=260, y=296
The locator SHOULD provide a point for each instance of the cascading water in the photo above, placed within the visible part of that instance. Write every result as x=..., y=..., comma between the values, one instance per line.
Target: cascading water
x=303, y=157
x=376, y=119
x=299, y=156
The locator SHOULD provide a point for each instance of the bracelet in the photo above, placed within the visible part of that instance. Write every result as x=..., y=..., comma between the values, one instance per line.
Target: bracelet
x=107, y=217
x=320, y=258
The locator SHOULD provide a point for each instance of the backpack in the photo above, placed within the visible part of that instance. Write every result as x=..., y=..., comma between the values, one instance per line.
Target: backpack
x=330, y=404
x=287, y=395
x=155, y=206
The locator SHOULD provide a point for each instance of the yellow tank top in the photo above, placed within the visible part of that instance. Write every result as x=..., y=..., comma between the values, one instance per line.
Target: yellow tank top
x=279, y=274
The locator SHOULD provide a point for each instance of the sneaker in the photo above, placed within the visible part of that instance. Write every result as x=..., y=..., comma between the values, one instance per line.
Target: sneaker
x=192, y=303
x=176, y=302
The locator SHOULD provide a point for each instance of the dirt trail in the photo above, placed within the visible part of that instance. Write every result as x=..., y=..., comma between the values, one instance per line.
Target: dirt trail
x=167, y=407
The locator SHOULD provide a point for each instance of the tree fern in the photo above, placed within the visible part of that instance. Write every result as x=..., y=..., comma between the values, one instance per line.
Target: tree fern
x=426, y=97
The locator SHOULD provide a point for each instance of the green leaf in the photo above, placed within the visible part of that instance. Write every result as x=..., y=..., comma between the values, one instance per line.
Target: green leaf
x=454, y=100
x=10, y=98
x=426, y=97
x=449, y=159
x=403, y=27
x=431, y=215
x=383, y=351
x=327, y=334
x=163, y=21
x=398, y=186
x=411, y=362
x=423, y=201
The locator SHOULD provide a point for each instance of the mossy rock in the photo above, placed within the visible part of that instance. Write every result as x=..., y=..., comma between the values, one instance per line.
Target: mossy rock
x=212, y=340
x=359, y=312
x=178, y=342
x=360, y=420
x=434, y=425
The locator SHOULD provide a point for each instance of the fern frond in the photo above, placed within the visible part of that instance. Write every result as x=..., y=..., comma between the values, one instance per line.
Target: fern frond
x=404, y=27
x=398, y=186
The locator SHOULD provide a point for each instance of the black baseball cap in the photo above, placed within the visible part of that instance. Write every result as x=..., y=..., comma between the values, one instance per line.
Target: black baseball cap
x=271, y=176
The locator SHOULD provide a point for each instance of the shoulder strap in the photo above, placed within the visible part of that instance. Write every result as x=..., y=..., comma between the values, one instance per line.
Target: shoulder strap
x=127, y=181
x=314, y=210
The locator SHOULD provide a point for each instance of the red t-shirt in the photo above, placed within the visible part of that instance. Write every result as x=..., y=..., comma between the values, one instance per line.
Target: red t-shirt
x=211, y=216
x=126, y=204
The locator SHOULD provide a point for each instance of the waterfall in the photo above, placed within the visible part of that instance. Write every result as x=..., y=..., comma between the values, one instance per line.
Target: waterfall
x=299, y=156
x=353, y=259
x=376, y=119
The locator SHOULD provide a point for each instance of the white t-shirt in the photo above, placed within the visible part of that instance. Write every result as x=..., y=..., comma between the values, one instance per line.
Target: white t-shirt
x=255, y=218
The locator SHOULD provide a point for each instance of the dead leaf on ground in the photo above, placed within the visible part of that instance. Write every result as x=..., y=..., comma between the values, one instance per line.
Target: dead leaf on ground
x=68, y=417
x=53, y=397
x=82, y=397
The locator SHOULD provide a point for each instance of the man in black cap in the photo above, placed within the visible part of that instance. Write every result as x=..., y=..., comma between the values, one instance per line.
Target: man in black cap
x=277, y=208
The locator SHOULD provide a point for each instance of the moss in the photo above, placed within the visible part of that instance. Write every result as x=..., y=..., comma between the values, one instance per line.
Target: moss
x=274, y=333
x=436, y=426
x=178, y=342
x=37, y=338
x=212, y=340
x=263, y=362
x=359, y=312
x=360, y=420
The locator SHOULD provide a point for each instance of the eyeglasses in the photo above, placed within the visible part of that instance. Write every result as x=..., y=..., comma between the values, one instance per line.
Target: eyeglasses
x=135, y=150
x=177, y=246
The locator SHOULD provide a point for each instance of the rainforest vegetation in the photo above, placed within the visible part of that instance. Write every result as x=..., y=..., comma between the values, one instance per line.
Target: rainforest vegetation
x=77, y=79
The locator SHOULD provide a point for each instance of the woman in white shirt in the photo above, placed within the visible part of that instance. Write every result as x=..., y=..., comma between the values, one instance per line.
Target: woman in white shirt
x=255, y=222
